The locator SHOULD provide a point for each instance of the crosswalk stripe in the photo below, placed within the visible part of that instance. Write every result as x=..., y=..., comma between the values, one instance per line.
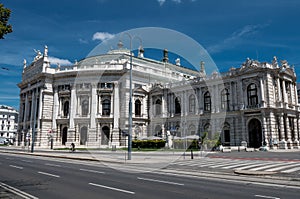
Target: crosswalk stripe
x=270, y=165
x=280, y=168
x=237, y=165
x=291, y=170
x=225, y=164
x=252, y=165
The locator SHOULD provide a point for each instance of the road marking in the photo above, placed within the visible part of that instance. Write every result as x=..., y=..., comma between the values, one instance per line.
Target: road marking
x=17, y=167
x=112, y=188
x=291, y=170
x=48, y=174
x=92, y=171
x=26, y=160
x=283, y=167
x=270, y=165
x=52, y=165
x=161, y=181
x=17, y=191
x=261, y=196
x=9, y=158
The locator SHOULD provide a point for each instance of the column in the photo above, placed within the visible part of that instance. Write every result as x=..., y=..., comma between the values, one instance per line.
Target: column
x=292, y=93
x=242, y=104
x=285, y=99
x=25, y=129
x=200, y=101
x=32, y=109
x=262, y=92
x=296, y=94
x=164, y=104
x=55, y=112
x=279, y=92
x=282, y=143
x=116, y=115
x=91, y=141
x=289, y=141
x=296, y=140
x=72, y=115
x=232, y=94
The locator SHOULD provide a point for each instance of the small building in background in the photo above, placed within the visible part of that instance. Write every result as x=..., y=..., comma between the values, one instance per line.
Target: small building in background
x=8, y=122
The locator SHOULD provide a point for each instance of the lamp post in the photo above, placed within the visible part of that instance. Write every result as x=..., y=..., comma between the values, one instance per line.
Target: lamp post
x=130, y=96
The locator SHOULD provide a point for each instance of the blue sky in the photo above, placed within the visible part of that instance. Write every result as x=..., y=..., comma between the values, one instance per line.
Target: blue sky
x=230, y=30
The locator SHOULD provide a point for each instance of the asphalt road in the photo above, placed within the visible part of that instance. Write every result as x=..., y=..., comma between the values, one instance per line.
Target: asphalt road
x=52, y=178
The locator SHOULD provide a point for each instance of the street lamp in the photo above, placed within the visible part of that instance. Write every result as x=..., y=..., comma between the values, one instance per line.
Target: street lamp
x=130, y=96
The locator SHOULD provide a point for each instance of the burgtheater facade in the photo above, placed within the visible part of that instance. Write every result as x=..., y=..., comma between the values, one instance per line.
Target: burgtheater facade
x=88, y=103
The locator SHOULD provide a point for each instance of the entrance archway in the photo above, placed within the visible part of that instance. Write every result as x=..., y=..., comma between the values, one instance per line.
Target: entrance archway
x=105, y=135
x=64, y=135
x=255, y=133
x=83, y=135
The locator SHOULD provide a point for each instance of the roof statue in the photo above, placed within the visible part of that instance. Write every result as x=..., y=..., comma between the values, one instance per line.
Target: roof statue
x=284, y=64
x=24, y=63
x=177, y=61
x=38, y=54
x=275, y=62
x=46, y=51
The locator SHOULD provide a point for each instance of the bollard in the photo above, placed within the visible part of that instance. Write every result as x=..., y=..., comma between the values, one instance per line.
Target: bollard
x=192, y=155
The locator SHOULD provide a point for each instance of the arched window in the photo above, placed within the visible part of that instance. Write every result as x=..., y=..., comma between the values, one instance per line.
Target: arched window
x=158, y=107
x=192, y=104
x=66, y=108
x=225, y=100
x=252, y=95
x=177, y=106
x=85, y=107
x=137, y=106
x=106, y=107
x=207, y=102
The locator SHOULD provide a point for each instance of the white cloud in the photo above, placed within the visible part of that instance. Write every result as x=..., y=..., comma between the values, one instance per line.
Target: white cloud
x=177, y=1
x=102, y=36
x=55, y=60
x=236, y=37
x=161, y=2
x=82, y=41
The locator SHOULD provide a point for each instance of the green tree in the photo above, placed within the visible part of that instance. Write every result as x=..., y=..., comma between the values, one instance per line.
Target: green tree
x=5, y=28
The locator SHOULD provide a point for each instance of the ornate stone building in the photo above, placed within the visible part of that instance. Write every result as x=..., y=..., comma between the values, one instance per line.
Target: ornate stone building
x=256, y=103
x=87, y=103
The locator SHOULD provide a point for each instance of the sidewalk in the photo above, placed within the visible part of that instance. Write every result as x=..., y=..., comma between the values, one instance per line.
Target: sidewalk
x=119, y=156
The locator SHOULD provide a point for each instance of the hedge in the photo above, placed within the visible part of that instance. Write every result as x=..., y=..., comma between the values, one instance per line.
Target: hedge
x=150, y=144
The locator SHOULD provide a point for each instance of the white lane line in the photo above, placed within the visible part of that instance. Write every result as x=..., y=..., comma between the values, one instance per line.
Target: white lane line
x=112, y=188
x=52, y=165
x=18, y=192
x=17, y=167
x=26, y=160
x=161, y=181
x=92, y=171
x=48, y=174
x=261, y=196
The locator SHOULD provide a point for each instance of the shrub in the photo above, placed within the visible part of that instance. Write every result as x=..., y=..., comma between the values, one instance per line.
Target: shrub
x=150, y=144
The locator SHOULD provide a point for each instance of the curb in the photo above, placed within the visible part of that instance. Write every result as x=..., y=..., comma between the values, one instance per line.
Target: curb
x=256, y=173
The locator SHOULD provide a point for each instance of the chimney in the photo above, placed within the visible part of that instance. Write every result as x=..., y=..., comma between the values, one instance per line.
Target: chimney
x=202, y=69
x=165, y=59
